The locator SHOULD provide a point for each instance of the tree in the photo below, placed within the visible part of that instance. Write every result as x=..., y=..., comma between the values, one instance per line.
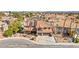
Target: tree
x=14, y=27
x=16, y=14
x=8, y=33
x=1, y=15
x=64, y=25
x=72, y=20
x=30, y=15
x=76, y=21
x=77, y=17
x=70, y=14
x=76, y=40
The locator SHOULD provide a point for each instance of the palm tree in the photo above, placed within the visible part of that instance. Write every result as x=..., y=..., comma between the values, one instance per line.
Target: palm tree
x=76, y=24
x=64, y=24
x=72, y=20
x=76, y=21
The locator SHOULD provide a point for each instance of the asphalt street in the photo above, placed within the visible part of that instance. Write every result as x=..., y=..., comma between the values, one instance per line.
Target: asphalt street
x=13, y=43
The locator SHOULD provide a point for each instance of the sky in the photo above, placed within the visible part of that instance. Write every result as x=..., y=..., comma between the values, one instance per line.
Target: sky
x=39, y=5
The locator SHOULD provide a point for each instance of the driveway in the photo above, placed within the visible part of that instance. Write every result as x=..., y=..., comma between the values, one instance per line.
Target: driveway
x=46, y=40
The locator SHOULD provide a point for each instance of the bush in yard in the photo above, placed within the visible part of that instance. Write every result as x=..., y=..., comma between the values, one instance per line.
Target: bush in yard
x=14, y=27
x=76, y=40
x=8, y=33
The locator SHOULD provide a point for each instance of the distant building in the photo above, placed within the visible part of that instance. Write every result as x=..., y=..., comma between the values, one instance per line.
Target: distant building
x=3, y=26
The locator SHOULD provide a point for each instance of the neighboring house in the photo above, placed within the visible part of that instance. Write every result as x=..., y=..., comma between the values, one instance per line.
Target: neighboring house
x=43, y=28
x=3, y=26
x=6, y=13
x=63, y=24
x=59, y=24
x=37, y=26
x=8, y=18
x=67, y=25
x=28, y=25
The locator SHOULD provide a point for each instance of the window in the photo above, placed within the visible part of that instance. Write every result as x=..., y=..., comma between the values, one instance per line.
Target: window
x=39, y=28
x=45, y=28
x=77, y=30
x=48, y=27
x=59, y=30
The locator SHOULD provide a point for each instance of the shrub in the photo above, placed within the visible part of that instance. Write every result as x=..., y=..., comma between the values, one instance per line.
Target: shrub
x=76, y=40
x=8, y=33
